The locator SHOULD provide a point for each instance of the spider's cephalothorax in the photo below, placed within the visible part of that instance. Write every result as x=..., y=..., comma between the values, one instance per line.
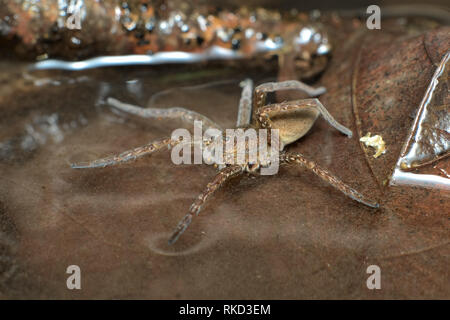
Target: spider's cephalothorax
x=292, y=120
x=251, y=148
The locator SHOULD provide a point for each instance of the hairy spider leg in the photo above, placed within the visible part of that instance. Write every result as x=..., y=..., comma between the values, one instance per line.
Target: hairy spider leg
x=159, y=94
x=245, y=104
x=174, y=113
x=263, y=117
x=128, y=155
x=147, y=149
x=260, y=94
x=219, y=180
x=297, y=158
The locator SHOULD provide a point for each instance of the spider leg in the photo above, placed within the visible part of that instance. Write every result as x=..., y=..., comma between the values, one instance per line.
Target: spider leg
x=262, y=114
x=261, y=91
x=174, y=113
x=245, y=104
x=159, y=94
x=128, y=155
x=327, y=177
x=223, y=176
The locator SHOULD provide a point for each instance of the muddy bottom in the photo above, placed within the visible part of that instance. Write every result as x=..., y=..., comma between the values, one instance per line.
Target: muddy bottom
x=284, y=236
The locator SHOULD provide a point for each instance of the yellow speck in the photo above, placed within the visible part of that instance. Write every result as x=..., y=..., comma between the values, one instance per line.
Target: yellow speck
x=404, y=165
x=42, y=57
x=374, y=142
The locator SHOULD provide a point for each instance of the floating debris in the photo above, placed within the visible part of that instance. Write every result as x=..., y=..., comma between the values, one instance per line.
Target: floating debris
x=145, y=28
x=374, y=142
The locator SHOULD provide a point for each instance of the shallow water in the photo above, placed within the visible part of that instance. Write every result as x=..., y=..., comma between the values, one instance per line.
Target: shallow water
x=283, y=236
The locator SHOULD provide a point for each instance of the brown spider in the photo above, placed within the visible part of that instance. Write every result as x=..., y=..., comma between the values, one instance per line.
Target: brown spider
x=293, y=119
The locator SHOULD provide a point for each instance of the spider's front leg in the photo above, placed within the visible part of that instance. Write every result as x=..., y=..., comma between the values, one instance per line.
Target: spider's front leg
x=150, y=148
x=223, y=176
x=297, y=158
x=171, y=113
x=128, y=155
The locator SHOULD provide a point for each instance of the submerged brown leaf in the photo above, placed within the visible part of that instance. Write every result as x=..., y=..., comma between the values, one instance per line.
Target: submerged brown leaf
x=283, y=236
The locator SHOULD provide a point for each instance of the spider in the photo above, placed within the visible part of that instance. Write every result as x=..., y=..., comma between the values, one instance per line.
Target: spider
x=293, y=119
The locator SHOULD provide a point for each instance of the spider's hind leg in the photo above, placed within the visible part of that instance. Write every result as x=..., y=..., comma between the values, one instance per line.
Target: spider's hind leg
x=328, y=177
x=263, y=113
x=262, y=90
